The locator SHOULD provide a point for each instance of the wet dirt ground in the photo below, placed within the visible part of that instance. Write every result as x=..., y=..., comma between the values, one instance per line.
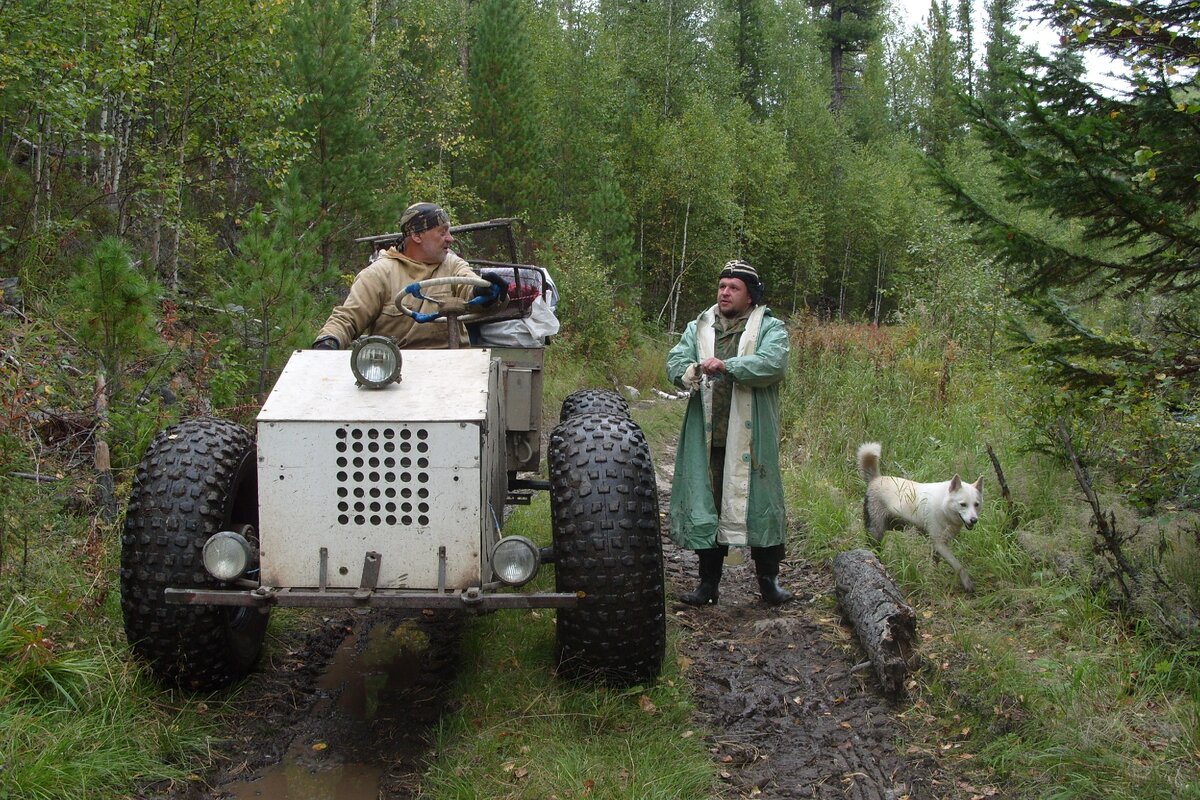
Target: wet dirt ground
x=347, y=713
x=787, y=716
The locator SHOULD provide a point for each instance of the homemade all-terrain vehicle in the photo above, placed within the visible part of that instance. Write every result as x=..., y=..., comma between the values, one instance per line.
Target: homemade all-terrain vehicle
x=379, y=478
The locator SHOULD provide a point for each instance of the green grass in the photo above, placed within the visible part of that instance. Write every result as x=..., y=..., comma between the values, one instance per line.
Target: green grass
x=520, y=732
x=78, y=720
x=1034, y=682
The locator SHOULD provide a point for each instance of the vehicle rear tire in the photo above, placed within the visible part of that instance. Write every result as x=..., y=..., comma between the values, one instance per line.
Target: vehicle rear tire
x=197, y=478
x=593, y=401
x=604, y=504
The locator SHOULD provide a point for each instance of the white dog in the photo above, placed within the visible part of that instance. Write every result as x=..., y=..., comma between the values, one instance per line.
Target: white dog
x=939, y=509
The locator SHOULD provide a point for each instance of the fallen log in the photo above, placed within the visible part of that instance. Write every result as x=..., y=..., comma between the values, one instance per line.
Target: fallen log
x=885, y=624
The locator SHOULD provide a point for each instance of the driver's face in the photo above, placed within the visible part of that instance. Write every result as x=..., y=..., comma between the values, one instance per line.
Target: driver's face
x=433, y=244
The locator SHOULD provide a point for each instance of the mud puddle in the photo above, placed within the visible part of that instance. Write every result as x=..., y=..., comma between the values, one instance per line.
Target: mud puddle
x=343, y=711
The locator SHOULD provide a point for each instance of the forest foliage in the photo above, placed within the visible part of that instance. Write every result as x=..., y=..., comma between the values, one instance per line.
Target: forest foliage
x=210, y=164
x=181, y=184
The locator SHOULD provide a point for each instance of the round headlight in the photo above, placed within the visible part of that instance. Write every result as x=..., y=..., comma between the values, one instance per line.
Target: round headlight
x=375, y=361
x=515, y=560
x=227, y=555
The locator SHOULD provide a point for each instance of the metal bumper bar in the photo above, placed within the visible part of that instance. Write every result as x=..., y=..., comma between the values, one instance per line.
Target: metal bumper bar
x=377, y=598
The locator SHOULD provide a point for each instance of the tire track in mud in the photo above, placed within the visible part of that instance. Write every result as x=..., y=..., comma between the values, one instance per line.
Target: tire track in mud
x=785, y=715
x=345, y=713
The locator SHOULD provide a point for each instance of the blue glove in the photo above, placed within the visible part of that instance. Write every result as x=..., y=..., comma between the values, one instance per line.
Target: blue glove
x=496, y=292
x=326, y=343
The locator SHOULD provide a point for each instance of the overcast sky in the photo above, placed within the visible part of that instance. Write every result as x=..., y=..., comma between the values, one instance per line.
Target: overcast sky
x=1043, y=37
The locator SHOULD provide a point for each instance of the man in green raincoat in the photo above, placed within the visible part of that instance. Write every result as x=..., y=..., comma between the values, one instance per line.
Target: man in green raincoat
x=728, y=490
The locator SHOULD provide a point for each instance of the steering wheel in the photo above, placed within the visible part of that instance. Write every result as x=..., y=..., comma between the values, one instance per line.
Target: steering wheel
x=455, y=307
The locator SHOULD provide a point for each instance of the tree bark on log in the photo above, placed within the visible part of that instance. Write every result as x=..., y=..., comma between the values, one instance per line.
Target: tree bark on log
x=885, y=624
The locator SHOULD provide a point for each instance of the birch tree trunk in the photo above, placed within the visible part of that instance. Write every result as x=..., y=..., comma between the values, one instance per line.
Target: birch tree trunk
x=842, y=288
x=107, y=497
x=878, y=285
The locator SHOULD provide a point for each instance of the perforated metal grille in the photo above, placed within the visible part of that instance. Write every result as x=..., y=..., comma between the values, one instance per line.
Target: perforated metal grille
x=382, y=475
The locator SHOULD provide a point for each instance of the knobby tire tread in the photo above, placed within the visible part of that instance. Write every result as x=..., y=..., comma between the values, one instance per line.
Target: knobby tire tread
x=197, y=478
x=593, y=401
x=604, y=504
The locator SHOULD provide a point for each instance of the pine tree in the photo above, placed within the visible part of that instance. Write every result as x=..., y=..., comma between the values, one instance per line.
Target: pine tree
x=1123, y=167
x=850, y=27
x=966, y=45
x=276, y=277
x=608, y=220
x=940, y=119
x=1000, y=59
x=508, y=172
x=749, y=44
x=118, y=306
x=1117, y=171
x=341, y=171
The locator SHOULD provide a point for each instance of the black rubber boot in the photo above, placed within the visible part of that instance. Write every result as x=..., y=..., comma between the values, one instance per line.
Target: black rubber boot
x=712, y=561
x=766, y=566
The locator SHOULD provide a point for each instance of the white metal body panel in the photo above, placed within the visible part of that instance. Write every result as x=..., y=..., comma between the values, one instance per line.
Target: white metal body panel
x=436, y=385
x=395, y=470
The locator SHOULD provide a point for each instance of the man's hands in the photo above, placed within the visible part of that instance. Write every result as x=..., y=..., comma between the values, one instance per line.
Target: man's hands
x=326, y=343
x=497, y=291
x=708, y=368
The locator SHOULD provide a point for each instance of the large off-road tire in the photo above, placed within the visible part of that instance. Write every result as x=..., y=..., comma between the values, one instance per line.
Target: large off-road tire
x=604, y=503
x=197, y=478
x=593, y=401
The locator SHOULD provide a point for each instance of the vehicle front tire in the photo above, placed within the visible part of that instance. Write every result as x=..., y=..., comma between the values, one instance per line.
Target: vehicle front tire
x=604, y=503
x=593, y=401
x=197, y=478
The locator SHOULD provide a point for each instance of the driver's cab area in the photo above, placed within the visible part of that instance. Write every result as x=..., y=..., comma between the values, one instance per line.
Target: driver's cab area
x=517, y=331
x=527, y=317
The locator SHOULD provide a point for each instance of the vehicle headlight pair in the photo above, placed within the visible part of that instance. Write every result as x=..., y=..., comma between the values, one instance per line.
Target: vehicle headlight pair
x=227, y=555
x=375, y=361
x=515, y=560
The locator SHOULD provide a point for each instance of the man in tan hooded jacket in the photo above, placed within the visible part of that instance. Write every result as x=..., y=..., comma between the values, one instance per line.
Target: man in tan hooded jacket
x=369, y=308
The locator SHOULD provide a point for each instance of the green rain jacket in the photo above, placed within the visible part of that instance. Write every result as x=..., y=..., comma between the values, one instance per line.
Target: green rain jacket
x=752, y=511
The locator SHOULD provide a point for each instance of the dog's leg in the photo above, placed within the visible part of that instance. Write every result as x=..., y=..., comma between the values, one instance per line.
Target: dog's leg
x=943, y=551
x=874, y=520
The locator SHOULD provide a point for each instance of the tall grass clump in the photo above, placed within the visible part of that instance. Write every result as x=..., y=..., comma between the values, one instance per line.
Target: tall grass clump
x=75, y=719
x=849, y=384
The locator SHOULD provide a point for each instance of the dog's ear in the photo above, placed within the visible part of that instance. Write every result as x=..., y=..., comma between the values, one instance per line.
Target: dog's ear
x=979, y=485
x=955, y=483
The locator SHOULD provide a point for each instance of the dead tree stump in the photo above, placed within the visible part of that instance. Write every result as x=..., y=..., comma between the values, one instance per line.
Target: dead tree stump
x=885, y=624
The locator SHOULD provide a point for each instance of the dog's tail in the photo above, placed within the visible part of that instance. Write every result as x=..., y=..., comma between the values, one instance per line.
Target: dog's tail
x=868, y=460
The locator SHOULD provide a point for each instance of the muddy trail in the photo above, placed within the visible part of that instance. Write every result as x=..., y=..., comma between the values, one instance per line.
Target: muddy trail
x=788, y=716
x=344, y=713
x=348, y=712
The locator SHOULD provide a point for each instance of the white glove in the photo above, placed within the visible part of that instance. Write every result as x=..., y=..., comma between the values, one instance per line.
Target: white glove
x=692, y=378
